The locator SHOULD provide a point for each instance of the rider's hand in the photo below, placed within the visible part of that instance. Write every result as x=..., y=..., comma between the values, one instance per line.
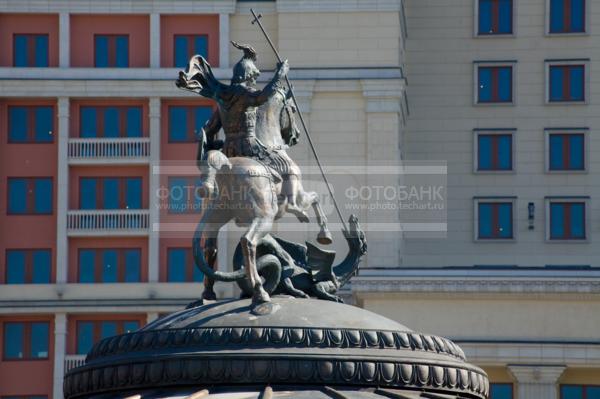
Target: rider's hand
x=284, y=67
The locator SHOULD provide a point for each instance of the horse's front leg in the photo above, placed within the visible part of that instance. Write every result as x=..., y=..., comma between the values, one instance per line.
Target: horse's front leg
x=259, y=227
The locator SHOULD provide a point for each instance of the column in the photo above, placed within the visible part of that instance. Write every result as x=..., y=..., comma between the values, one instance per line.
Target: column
x=384, y=132
x=223, y=40
x=536, y=382
x=155, y=40
x=64, y=40
x=60, y=348
x=154, y=237
x=62, y=192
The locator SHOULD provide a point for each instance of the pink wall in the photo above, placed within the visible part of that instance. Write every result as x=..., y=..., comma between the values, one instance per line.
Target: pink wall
x=107, y=242
x=170, y=25
x=76, y=104
x=104, y=171
x=84, y=27
x=26, y=160
x=28, y=24
x=27, y=377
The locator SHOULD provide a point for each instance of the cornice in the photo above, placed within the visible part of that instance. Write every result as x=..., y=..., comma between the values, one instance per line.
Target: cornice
x=338, y=5
x=536, y=374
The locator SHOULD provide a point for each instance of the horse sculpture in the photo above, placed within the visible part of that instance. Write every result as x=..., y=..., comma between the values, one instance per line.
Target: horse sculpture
x=248, y=188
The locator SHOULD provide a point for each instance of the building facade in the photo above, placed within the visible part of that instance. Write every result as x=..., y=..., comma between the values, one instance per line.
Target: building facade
x=94, y=133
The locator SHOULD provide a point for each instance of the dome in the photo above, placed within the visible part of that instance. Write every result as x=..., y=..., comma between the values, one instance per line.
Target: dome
x=299, y=348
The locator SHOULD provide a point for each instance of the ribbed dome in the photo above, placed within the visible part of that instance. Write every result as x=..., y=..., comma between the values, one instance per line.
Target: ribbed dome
x=305, y=343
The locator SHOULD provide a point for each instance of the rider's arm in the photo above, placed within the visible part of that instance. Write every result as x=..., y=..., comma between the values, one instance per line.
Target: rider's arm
x=260, y=97
x=212, y=126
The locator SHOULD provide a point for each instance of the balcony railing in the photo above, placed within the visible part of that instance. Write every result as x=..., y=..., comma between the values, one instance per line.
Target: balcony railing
x=99, y=222
x=109, y=150
x=72, y=361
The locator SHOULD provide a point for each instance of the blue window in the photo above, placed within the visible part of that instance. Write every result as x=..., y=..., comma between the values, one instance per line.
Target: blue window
x=30, y=50
x=184, y=196
x=567, y=221
x=185, y=122
x=495, y=84
x=119, y=265
x=567, y=16
x=495, y=220
x=30, y=124
x=29, y=196
x=111, y=51
x=186, y=46
x=110, y=193
x=90, y=332
x=26, y=340
x=567, y=83
x=580, y=392
x=181, y=267
x=111, y=121
x=495, y=17
x=494, y=152
x=501, y=391
x=28, y=266
x=567, y=151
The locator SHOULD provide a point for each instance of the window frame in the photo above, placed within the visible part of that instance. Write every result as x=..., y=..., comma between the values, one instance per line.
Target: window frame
x=31, y=108
x=190, y=201
x=30, y=36
x=190, y=118
x=189, y=270
x=97, y=328
x=477, y=34
x=188, y=36
x=512, y=388
x=495, y=199
x=28, y=211
x=27, y=340
x=501, y=131
x=112, y=36
x=495, y=64
x=100, y=125
x=121, y=265
x=586, y=21
x=29, y=267
x=567, y=131
x=585, y=62
x=583, y=386
x=100, y=189
x=586, y=218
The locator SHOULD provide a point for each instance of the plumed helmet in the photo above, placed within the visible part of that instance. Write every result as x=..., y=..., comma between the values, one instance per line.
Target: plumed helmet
x=245, y=67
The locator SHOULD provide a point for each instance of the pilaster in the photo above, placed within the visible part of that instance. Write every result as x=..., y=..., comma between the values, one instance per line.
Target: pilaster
x=154, y=237
x=64, y=33
x=62, y=191
x=155, y=40
x=60, y=342
x=223, y=40
x=536, y=381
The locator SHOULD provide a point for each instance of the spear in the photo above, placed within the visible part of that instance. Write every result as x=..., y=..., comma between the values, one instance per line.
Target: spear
x=256, y=20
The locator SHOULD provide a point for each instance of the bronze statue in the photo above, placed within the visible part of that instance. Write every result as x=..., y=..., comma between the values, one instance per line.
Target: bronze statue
x=249, y=177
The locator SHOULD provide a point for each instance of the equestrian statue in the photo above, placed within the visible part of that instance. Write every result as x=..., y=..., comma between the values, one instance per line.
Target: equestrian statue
x=249, y=178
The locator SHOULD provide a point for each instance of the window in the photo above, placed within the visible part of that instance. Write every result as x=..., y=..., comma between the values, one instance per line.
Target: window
x=495, y=17
x=28, y=266
x=494, y=84
x=29, y=195
x=111, y=121
x=30, y=50
x=181, y=267
x=25, y=397
x=567, y=219
x=494, y=151
x=579, y=392
x=90, y=332
x=186, y=46
x=110, y=193
x=566, y=81
x=185, y=122
x=122, y=265
x=30, y=124
x=566, y=151
x=183, y=195
x=501, y=391
x=494, y=219
x=26, y=340
x=567, y=16
x=111, y=51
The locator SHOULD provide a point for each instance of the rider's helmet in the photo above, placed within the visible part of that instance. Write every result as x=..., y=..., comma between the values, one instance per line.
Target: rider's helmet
x=245, y=71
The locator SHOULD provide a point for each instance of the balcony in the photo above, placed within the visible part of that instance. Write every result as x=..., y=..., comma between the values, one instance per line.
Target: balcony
x=108, y=222
x=94, y=151
x=72, y=361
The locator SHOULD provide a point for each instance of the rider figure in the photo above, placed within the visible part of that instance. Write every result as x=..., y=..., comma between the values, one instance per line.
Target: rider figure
x=238, y=105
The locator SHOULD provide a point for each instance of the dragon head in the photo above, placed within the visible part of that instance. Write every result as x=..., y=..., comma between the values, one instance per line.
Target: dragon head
x=356, y=235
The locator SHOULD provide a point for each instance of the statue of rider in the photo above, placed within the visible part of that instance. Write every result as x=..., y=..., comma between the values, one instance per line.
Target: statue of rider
x=238, y=105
